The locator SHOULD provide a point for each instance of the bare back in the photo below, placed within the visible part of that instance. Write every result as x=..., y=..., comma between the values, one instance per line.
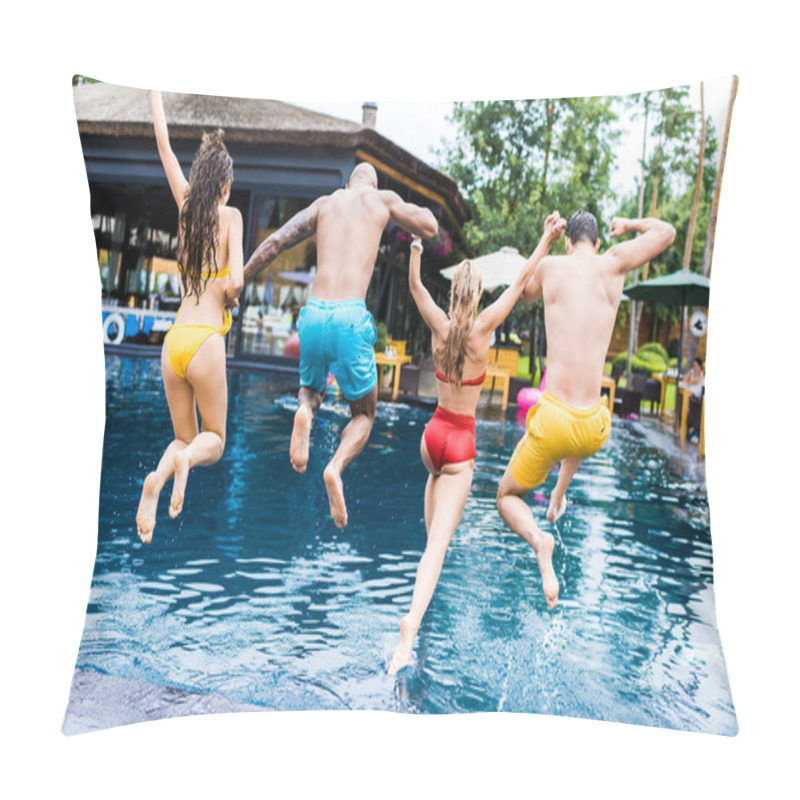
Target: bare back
x=208, y=309
x=350, y=223
x=460, y=398
x=581, y=295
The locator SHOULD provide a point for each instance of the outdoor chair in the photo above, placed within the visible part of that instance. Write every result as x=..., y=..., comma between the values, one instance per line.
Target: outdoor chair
x=501, y=368
x=652, y=395
x=694, y=412
x=694, y=415
x=409, y=375
x=630, y=399
x=515, y=385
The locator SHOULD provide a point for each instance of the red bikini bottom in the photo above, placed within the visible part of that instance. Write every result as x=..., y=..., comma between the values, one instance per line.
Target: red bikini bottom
x=450, y=438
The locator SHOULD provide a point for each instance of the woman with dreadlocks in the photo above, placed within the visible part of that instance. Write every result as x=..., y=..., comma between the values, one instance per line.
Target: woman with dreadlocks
x=210, y=262
x=461, y=353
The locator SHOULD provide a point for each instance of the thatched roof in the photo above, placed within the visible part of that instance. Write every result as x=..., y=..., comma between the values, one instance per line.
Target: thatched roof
x=103, y=109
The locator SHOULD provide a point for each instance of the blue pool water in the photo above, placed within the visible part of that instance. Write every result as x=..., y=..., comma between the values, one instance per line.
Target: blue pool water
x=254, y=599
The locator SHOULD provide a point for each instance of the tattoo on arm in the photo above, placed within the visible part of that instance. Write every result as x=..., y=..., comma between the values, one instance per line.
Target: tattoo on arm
x=299, y=227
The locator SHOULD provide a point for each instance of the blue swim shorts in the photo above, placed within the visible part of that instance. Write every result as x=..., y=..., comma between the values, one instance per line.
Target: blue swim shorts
x=338, y=336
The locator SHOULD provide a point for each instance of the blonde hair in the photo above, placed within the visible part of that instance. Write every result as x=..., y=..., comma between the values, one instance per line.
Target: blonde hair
x=465, y=292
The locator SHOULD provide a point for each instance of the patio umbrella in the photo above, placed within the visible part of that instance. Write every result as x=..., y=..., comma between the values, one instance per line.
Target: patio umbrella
x=497, y=269
x=678, y=288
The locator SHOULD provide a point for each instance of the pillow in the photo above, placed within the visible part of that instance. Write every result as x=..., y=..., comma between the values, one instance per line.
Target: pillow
x=239, y=569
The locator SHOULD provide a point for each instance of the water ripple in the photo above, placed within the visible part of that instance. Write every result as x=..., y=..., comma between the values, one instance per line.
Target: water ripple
x=253, y=594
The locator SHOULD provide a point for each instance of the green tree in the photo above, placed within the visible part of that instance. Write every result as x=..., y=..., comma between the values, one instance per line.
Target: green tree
x=518, y=160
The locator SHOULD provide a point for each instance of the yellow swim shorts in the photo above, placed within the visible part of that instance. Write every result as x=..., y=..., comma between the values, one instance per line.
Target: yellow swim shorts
x=556, y=430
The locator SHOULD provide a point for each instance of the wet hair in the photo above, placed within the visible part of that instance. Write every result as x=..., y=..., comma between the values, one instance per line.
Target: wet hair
x=582, y=227
x=465, y=292
x=198, y=225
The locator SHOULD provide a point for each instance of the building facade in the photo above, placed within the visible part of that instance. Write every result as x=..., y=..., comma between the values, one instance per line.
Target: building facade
x=284, y=157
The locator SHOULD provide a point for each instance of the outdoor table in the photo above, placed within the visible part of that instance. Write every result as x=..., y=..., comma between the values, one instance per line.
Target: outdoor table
x=664, y=380
x=686, y=394
x=495, y=374
x=611, y=385
x=395, y=362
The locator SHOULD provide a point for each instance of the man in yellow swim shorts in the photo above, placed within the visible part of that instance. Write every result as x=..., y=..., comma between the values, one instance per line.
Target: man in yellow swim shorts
x=581, y=292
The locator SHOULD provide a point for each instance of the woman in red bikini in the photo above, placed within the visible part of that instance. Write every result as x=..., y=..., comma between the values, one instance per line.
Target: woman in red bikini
x=461, y=352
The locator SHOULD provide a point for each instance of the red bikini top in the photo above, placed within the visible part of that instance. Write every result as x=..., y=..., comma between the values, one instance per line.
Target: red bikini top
x=473, y=382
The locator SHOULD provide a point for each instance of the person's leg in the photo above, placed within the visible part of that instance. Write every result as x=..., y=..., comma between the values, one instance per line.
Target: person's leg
x=354, y=439
x=181, y=402
x=430, y=485
x=519, y=518
x=206, y=374
x=309, y=403
x=558, y=499
x=449, y=492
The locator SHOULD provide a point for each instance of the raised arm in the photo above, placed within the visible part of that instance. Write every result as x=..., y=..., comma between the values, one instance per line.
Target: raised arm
x=528, y=278
x=655, y=236
x=235, y=258
x=435, y=318
x=420, y=221
x=301, y=226
x=177, y=182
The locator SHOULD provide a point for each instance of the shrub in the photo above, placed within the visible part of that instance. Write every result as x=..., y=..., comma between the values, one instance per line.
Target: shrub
x=383, y=335
x=647, y=362
x=654, y=347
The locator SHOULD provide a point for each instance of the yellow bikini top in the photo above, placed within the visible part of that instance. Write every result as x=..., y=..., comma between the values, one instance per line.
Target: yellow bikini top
x=223, y=273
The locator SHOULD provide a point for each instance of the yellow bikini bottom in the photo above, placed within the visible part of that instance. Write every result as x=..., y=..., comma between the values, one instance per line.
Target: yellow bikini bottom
x=183, y=341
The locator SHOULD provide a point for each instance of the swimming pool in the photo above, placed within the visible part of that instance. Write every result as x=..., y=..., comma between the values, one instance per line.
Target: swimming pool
x=254, y=599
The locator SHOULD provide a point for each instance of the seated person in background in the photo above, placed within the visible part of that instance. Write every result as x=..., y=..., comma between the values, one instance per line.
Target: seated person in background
x=694, y=378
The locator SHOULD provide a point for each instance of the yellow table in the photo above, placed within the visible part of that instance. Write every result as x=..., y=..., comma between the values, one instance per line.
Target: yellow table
x=664, y=381
x=611, y=384
x=395, y=362
x=496, y=375
x=686, y=394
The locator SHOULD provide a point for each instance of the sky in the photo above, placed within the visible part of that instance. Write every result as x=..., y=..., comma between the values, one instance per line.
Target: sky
x=421, y=127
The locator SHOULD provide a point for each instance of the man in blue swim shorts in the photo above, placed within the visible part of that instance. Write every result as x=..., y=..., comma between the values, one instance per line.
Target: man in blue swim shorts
x=337, y=333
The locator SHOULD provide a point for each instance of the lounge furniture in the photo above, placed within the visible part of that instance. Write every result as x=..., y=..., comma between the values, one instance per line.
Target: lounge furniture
x=664, y=380
x=502, y=366
x=692, y=415
x=517, y=384
x=631, y=396
x=610, y=384
x=395, y=362
x=652, y=394
x=409, y=378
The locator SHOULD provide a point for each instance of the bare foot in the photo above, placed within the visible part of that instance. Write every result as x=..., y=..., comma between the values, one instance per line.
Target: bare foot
x=181, y=464
x=556, y=508
x=544, y=556
x=298, y=449
x=402, y=655
x=333, y=484
x=146, y=513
